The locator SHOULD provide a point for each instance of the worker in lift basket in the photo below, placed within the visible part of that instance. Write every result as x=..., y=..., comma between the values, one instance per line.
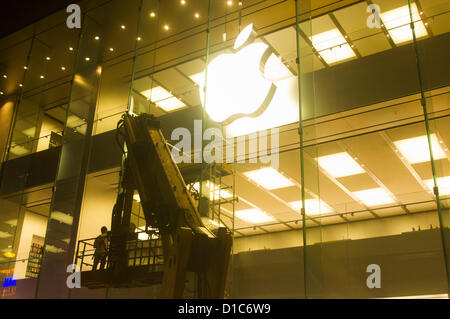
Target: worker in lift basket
x=101, y=249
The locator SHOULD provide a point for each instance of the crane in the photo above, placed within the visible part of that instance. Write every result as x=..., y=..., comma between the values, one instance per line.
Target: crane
x=187, y=245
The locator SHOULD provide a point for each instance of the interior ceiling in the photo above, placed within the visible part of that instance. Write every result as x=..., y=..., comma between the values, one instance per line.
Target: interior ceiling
x=389, y=173
x=56, y=41
x=383, y=167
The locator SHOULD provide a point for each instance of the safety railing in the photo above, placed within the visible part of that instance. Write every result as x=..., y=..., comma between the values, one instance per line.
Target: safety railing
x=142, y=248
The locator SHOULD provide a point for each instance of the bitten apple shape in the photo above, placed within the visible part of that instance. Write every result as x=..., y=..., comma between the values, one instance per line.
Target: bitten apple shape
x=236, y=86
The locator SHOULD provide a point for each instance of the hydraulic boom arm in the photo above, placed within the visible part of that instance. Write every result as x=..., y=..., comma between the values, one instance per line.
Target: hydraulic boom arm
x=187, y=244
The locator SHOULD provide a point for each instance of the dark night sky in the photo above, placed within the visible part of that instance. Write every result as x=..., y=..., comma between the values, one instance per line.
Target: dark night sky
x=17, y=14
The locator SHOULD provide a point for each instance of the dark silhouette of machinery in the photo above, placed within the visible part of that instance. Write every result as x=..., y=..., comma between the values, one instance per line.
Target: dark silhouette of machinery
x=179, y=244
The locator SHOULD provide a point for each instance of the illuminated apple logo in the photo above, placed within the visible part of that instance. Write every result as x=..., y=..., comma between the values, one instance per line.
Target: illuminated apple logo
x=236, y=85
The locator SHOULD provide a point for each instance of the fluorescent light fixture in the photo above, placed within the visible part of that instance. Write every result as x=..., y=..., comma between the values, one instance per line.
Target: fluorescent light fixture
x=156, y=94
x=163, y=99
x=443, y=184
x=269, y=178
x=223, y=193
x=54, y=249
x=170, y=104
x=332, y=46
x=30, y=131
x=143, y=236
x=313, y=206
x=5, y=234
x=254, y=216
x=416, y=150
x=397, y=22
x=374, y=197
x=340, y=165
x=62, y=218
x=11, y=222
x=19, y=150
x=73, y=121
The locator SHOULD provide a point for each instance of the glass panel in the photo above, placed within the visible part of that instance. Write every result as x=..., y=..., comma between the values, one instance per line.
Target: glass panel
x=434, y=94
x=372, y=162
x=42, y=108
x=60, y=239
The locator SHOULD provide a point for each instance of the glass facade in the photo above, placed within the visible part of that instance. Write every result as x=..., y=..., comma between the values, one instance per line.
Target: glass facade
x=317, y=132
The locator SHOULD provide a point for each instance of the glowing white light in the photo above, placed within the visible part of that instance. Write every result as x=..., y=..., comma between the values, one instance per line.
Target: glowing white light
x=235, y=83
x=170, y=104
x=156, y=94
x=340, y=165
x=313, y=206
x=254, y=216
x=416, y=150
x=269, y=178
x=143, y=236
x=443, y=184
x=374, y=197
x=238, y=85
x=243, y=36
x=397, y=22
x=163, y=99
x=332, y=46
x=198, y=78
x=215, y=192
x=275, y=70
x=62, y=217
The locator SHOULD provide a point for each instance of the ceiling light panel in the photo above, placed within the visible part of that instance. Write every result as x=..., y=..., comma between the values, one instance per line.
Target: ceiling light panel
x=374, y=197
x=5, y=234
x=254, y=216
x=416, y=150
x=443, y=184
x=313, y=206
x=163, y=99
x=340, y=165
x=269, y=178
x=397, y=22
x=170, y=104
x=214, y=189
x=332, y=46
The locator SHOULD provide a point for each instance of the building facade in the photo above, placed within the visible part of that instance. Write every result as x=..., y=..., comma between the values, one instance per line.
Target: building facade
x=322, y=128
